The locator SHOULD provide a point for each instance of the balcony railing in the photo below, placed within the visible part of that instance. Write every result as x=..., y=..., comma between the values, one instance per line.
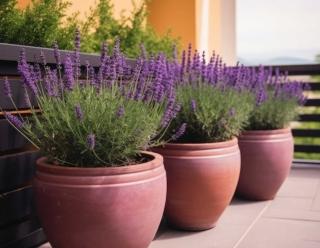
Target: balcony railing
x=19, y=226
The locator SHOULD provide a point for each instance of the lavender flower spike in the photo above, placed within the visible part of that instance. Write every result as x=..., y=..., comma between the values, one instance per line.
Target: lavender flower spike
x=78, y=112
x=15, y=121
x=193, y=105
x=68, y=68
x=120, y=112
x=56, y=53
x=7, y=88
x=180, y=132
x=91, y=141
x=232, y=112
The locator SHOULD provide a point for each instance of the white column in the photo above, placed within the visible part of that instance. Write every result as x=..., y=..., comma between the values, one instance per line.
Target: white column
x=216, y=28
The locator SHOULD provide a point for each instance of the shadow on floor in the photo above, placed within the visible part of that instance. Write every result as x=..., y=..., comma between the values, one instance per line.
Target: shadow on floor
x=171, y=232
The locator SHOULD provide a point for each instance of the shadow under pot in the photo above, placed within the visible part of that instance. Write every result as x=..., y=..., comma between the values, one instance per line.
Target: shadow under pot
x=202, y=179
x=266, y=158
x=101, y=207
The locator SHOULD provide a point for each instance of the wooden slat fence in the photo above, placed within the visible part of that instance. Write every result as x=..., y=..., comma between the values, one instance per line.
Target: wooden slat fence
x=19, y=225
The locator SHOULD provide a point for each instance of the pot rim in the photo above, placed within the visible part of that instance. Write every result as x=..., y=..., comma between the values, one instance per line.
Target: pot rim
x=44, y=166
x=267, y=132
x=200, y=146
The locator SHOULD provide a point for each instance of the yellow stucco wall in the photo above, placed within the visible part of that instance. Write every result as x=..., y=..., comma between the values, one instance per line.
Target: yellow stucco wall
x=207, y=24
x=179, y=16
x=121, y=7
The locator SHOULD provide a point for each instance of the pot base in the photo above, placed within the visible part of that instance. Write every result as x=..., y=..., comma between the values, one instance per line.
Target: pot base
x=191, y=228
x=266, y=158
x=202, y=179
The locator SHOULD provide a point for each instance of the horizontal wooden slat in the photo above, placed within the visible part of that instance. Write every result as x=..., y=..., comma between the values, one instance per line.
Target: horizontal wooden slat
x=307, y=148
x=306, y=132
x=18, y=96
x=297, y=70
x=8, y=68
x=16, y=205
x=314, y=86
x=18, y=231
x=309, y=117
x=17, y=169
x=9, y=54
x=313, y=102
x=10, y=137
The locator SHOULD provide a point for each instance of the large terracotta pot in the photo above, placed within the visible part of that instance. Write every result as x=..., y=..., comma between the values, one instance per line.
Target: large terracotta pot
x=202, y=179
x=118, y=207
x=266, y=158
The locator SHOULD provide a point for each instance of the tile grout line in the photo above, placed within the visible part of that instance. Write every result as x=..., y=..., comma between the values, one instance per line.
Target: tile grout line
x=252, y=224
x=315, y=196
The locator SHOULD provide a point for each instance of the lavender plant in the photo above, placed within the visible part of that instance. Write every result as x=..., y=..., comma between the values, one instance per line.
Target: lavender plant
x=277, y=99
x=105, y=119
x=215, y=105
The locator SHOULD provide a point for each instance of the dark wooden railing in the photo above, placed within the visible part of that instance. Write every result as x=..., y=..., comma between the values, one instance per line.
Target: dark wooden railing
x=314, y=87
x=19, y=226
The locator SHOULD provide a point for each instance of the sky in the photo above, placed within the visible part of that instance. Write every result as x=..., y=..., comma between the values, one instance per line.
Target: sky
x=267, y=29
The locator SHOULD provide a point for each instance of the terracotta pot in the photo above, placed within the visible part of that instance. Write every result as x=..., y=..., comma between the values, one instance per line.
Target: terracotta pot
x=266, y=158
x=202, y=179
x=118, y=207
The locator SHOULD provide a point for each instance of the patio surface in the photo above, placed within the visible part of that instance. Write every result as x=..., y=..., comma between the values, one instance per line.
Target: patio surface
x=292, y=220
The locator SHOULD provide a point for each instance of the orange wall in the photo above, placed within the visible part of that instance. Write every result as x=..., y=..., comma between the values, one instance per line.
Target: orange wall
x=121, y=7
x=177, y=15
x=23, y=3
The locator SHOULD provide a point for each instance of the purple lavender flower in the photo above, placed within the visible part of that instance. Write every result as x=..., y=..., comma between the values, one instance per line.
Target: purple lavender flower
x=76, y=55
x=104, y=51
x=261, y=96
x=78, y=112
x=15, y=121
x=232, y=112
x=68, y=69
x=49, y=87
x=176, y=110
x=193, y=105
x=27, y=99
x=171, y=110
x=143, y=51
x=26, y=73
x=174, y=53
x=180, y=132
x=120, y=111
x=91, y=141
x=196, y=61
x=56, y=54
x=43, y=58
x=7, y=88
x=189, y=57
x=183, y=64
x=92, y=77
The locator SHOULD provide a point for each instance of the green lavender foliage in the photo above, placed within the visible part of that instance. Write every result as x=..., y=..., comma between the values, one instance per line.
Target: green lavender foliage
x=220, y=114
x=274, y=113
x=118, y=139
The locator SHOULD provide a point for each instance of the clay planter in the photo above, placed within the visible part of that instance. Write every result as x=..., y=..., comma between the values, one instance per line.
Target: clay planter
x=118, y=207
x=202, y=179
x=266, y=158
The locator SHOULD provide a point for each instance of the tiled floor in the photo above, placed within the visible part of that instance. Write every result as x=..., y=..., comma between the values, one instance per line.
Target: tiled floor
x=291, y=220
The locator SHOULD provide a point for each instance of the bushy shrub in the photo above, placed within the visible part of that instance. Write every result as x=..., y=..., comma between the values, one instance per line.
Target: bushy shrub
x=277, y=99
x=44, y=22
x=215, y=105
x=40, y=24
x=104, y=120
